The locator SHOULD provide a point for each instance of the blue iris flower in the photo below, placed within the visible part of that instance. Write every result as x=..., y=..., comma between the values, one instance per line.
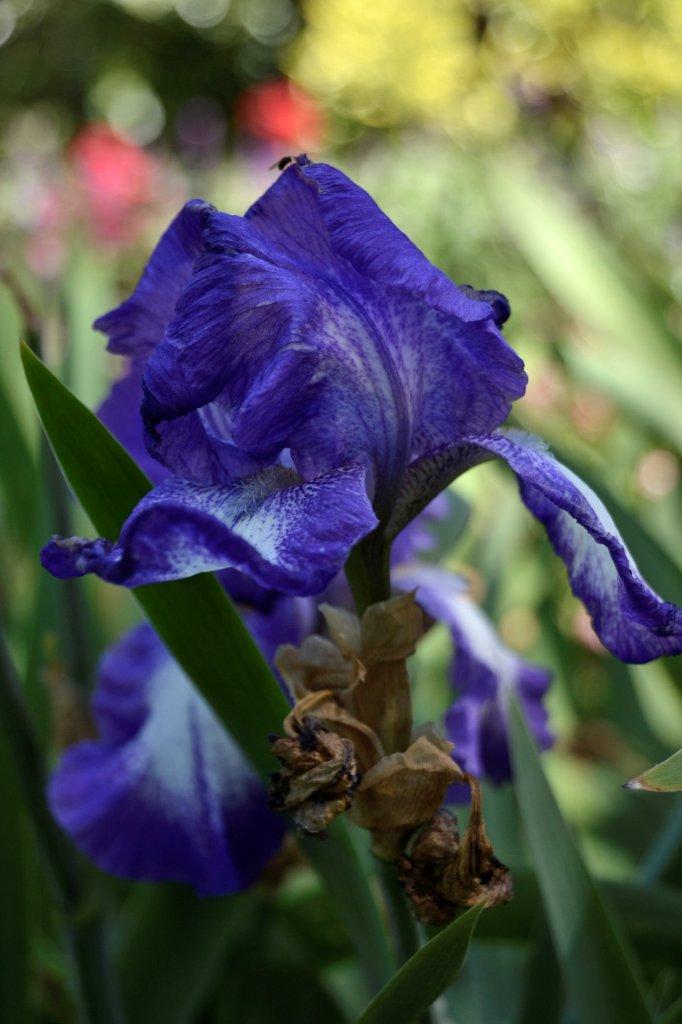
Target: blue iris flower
x=309, y=377
x=305, y=378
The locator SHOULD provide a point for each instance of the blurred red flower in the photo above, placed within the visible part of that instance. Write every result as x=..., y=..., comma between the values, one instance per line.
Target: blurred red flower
x=280, y=113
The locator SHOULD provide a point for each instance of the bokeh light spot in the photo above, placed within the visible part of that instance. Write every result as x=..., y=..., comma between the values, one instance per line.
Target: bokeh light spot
x=657, y=474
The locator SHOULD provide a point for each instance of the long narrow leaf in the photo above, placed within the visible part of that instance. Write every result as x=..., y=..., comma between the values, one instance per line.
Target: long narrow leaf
x=194, y=617
x=14, y=906
x=18, y=474
x=166, y=927
x=427, y=974
x=543, y=991
x=662, y=850
x=651, y=915
x=201, y=628
x=599, y=972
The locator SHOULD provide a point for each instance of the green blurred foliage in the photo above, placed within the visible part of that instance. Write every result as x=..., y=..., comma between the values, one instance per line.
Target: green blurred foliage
x=528, y=147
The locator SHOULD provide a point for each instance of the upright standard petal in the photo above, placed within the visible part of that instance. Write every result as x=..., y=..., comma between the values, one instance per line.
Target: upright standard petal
x=630, y=619
x=308, y=354
x=484, y=671
x=363, y=235
x=136, y=326
x=163, y=794
x=288, y=536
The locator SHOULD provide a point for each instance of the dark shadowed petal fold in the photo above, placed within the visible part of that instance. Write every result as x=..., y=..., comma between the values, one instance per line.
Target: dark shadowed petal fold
x=419, y=537
x=137, y=325
x=498, y=302
x=289, y=620
x=289, y=536
x=484, y=671
x=195, y=447
x=163, y=794
x=238, y=329
x=428, y=475
x=630, y=619
x=192, y=449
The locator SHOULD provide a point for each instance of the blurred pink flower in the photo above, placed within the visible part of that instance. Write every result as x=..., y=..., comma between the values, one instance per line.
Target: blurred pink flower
x=116, y=178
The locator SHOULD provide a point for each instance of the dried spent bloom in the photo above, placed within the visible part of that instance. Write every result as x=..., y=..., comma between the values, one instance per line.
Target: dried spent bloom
x=442, y=873
x=354, y=686
x=362, y=664
x=402, y=791
x=318, y=776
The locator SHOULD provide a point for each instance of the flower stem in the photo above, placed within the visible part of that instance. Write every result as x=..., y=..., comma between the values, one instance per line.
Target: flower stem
x=339, y=866
x=368, y=574
x=94, y=985
x=368, y=571
x=403, y=927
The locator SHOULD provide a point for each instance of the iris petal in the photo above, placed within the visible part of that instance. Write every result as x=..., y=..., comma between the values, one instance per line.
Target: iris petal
x=290, y=338
x=289, y=536
x=485, y=670
x=137, y=325
x=336, y=368
x=359, y=232
x=120, y=413
x=163, y=794
x=631, y=620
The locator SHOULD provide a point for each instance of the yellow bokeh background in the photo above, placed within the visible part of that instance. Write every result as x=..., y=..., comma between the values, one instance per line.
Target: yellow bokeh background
x=473, y=70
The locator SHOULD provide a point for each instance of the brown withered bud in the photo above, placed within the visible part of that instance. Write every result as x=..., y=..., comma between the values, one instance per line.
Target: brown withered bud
x=318, y=776
x=441, y=873
x=402, y=791
x=316, y=665
x=420, y=871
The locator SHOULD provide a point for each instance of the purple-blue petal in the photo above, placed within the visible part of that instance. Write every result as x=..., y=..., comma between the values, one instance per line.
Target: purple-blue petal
x=630, y=619
x=498, y=302
x=163, y=794
x=334, y=372
x=194, y=447
x=484, y=672
x=238, y=331
x=306, y=343
x=289, y=536
x=289, y=620
x=136, y=326
x=358, y=231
